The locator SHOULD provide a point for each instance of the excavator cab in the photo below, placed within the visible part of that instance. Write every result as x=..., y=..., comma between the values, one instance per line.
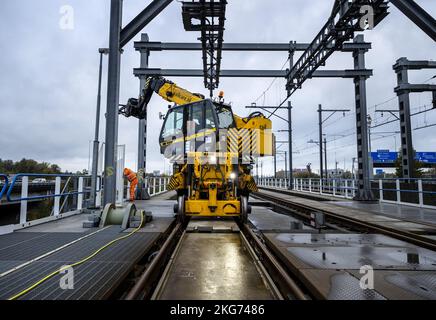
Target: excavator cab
x=194, y=127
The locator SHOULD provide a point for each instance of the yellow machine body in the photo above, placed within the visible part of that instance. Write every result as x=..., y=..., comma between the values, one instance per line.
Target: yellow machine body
x=216, y=181
x=213, y=188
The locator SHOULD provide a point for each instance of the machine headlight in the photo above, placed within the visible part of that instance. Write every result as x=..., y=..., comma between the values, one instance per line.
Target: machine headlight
x=233, y=176
x=212, y=159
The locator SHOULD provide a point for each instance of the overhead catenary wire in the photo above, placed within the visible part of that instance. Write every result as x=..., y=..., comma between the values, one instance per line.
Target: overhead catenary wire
x=413, y=114
x=303, y=148
x=271, y=84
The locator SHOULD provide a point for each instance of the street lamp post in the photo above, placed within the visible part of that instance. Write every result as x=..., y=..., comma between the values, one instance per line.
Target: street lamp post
x=275, y=158
x=325, y=157
x=286, y=165
x=321, y=171
x=369, y=132
x=289, y=131
x=102, y=51
x=320, y=123
x=371, y=165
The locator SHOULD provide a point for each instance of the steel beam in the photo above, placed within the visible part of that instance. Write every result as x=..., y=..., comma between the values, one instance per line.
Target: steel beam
x=250, y=73
x=142, y=193
x=207, y=17
x=403, y=91
x=113, y=89
x=342, y=73
x=364, y=192
x=418, y=16
x=407, y=152
x=118, y=38
x=284, y=47
x=141, y=20
x=415, y=87
x=414, y=64
x=290, y=133
x=344, y=21
x=321, y=167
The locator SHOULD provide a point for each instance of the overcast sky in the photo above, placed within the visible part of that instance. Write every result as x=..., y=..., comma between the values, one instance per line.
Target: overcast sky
x=48, y=77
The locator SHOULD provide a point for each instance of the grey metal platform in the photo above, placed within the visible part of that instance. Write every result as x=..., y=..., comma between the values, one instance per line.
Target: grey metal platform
x=410, y=213
x=64, y=242
x=392, y=210
x=359, y=213
x=17, y=248
x=329, y=264
x=94, y=279
x=266, y=220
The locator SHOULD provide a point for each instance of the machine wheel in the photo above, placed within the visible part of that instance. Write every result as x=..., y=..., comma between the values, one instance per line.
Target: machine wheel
x=244, y=209
x=180, y=214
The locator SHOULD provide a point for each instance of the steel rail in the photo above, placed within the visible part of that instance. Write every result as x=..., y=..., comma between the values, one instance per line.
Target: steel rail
x=314, y=196
x=140, y=287
x=274, y=274
x=288, y=287
x=157, y=292
x=354, y=223
x=303, y=216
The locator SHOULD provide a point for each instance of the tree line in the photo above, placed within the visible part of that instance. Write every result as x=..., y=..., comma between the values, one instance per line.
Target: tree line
x=28, y=166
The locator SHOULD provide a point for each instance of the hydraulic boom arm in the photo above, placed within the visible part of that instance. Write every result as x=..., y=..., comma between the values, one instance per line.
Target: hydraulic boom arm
x=166, y=89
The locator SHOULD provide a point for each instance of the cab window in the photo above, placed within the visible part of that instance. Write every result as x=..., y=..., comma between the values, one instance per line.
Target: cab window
x=173, y=124
x=210, y=120
x=196, y=120
x=225, y=117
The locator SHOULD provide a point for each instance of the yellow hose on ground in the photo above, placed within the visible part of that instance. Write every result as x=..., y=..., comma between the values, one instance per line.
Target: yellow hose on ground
x=36, y=284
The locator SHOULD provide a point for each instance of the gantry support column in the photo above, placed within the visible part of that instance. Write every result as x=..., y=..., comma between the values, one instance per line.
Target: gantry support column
x=113, y=89
x=142, y=193
x=291, y=173
x=407, y=152
x=364, y=192
x=403, y=91
x=290, y=151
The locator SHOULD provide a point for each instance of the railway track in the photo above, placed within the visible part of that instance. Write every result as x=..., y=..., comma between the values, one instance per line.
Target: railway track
x=338, y=221
x=281, y=279
x=241, y=262
x=162, y=279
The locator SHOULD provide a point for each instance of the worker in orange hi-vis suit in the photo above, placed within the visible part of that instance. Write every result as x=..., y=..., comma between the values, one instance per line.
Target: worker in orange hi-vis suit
x=133, y=179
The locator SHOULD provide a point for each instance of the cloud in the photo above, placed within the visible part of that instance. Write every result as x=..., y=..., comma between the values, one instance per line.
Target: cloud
x=48, y=78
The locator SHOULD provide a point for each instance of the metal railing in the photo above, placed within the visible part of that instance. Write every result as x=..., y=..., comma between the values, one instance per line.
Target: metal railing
x=157, y=185
x=412, y=192
x=61, y=189
x=5, y=184
x=154, y=185
x=416, y=192
x=22, y=180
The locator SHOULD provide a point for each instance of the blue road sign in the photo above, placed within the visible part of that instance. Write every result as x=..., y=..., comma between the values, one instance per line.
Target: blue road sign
x=426, y=157
x=384, y=156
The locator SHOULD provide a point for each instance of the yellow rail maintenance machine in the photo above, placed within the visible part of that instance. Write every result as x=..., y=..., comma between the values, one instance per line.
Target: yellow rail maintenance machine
x=212, y=150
